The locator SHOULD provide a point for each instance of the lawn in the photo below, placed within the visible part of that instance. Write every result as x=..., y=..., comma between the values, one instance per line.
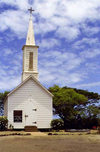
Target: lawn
x=57, y=143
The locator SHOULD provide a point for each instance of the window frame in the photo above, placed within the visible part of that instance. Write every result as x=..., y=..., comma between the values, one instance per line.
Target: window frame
x=16, y=115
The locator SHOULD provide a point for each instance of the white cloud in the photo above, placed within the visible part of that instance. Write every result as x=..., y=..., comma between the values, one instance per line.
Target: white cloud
x=92, y=67
x=1, y=40
x=65, y=19
x=88, y=85
x=60, y=67
x=48, y=43
x=10, y=69
x=13, y=20
x=90, y=53
x=90, y=30
x=7, y=52
x=21, y=4
x=66, y=68
x=59, y=76
x=68, y=16
x=8, y=83
x=80, y=44
x=79, y=10
x=68, y=32
x=63, y=16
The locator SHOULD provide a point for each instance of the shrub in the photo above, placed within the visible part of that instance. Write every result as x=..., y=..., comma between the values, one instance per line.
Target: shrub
x=57, y=124
x=98, y=129
x=11, y=127
x=3, y=123
x=49, y=133
x=94, y=127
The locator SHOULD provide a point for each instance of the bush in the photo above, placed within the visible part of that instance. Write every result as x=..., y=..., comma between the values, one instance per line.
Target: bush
x=3, y=123
x=98, y=130
x=57, y=124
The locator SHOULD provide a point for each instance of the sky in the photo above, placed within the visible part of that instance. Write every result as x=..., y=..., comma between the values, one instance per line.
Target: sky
x=68, y=35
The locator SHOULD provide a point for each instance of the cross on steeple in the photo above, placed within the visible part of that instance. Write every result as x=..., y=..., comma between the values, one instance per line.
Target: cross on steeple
x=30, y=40
x=31, y=10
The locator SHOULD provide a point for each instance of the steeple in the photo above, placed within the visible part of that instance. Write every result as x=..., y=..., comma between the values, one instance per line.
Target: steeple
x=30, y=53
x=30, y=40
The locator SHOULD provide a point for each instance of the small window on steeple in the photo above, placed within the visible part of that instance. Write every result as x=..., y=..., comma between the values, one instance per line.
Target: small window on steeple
x=30, y=61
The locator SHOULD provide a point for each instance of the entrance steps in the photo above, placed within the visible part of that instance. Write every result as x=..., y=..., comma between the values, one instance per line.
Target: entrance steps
x=31, y=129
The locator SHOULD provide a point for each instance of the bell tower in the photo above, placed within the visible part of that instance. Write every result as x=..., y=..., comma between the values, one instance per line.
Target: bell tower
x=30, y=53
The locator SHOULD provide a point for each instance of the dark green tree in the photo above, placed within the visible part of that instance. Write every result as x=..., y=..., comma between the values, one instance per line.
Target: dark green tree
x=77, y=108
x=92, y=97
x=91, y=111
x=2, y=98
x=67, y=103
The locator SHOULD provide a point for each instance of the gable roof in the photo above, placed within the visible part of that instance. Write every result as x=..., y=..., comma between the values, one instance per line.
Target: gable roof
x=34, y=79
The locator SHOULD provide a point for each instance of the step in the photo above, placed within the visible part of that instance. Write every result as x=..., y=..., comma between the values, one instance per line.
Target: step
x=31, y=129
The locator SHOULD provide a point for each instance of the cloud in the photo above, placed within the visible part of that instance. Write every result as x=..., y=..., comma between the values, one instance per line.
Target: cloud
x=93, y=67
x=77, y=10
x=7, y=52
x=90, y=53
x=81, y=44
x=10, y=69
x=67, y=68
x=88, y=85
x=1, y=40
x=8, y=83
x=20, y=4
x=60, y=67
x=63, y=16
x=67, y=32
x=58, y=58
x=13, y=20
x=60, y=77
x=68, y=17
x=90, y=30
x=48, y=43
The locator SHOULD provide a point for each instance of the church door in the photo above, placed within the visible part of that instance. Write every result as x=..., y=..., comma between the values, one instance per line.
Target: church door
x=30, y=113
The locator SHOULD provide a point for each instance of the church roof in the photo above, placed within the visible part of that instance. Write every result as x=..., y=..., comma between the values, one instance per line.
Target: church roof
x=34, y=79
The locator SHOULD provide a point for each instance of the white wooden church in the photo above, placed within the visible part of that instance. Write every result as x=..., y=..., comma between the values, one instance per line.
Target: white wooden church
x=30, y=103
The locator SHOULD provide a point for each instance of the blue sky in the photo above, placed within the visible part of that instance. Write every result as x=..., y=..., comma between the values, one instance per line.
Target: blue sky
x=68, y=33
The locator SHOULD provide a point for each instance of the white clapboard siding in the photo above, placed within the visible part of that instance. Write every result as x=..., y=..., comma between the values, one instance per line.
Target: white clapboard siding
x=30, y=91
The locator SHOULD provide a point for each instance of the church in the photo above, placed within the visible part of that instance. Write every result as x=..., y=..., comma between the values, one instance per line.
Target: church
x=30, y=103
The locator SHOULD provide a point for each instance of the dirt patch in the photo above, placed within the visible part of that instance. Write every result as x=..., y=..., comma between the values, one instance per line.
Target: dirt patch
x=50, y=144
x=38, y=134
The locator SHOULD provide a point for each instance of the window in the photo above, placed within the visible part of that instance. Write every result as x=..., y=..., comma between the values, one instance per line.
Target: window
x=17, y=115
x=31, y=61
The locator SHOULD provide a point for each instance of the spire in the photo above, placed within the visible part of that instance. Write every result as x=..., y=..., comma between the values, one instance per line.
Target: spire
x=30, y=35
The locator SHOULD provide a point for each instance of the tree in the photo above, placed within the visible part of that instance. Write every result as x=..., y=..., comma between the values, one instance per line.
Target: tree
x=67, y=103
x=91, y=111
x=2, y=98
x=77, y=108
x=92, y=97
